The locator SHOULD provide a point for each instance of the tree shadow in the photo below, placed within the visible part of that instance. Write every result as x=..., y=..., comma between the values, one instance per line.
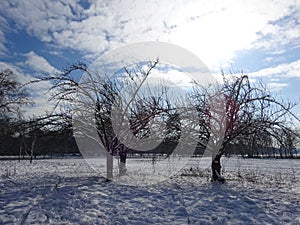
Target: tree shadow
x=93, y=200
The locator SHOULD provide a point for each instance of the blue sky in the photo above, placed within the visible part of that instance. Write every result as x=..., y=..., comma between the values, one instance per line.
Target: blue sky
x=260, y=37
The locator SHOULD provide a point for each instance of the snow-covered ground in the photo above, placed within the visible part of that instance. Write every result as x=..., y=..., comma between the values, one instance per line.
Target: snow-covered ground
x=68, y=191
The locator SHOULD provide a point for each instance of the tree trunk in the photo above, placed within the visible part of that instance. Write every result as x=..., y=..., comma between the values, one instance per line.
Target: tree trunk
x=20, y=149
x=109, y=166
x=122, y=166
x=280, y=152
x=216, y=169
x=291, y=154
x=285, y=153
x=32, y=148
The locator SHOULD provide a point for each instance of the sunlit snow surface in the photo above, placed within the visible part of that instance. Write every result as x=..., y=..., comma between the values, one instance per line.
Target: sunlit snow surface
x=68, y=191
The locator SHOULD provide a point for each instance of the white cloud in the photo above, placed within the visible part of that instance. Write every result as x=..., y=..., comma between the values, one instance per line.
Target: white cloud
x=233, y=27
x=290, y=70
x=3, y=26
x=22, y=78
x=170, y=78
x=282, y=32
x=276, y=87
x=38, y=63
x=214, y=30
x=38, y=18
x=38, y=91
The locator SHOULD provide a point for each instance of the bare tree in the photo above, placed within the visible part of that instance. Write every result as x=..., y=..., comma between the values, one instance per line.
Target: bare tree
x=98, y=95
x=287, y=140
x=245, y=110
x=112, y=109
x=31, y=129
x=12, y=93
x=13, y=96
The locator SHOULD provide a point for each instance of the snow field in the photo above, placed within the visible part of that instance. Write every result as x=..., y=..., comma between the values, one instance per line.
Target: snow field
x=68, y=191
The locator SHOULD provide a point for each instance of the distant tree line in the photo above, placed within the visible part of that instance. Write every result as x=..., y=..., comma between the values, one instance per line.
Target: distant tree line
x=35, y=142
x=45, y=135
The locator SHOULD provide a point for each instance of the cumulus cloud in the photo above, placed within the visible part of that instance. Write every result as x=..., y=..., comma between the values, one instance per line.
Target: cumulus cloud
x=41, y=105
x=3, y=26
x=286, y=70
x=276, y=87
x=170, y=78
x=38, y=91
x=212, y=30
x=282, y=32
x=22, y=78
x=38, y=17
x=38, y=63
